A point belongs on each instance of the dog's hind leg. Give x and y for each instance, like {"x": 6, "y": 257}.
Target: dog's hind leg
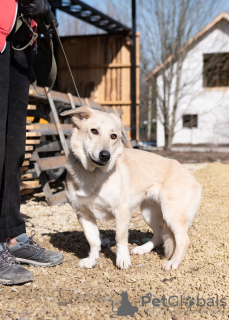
{"x": 152, "y": 214}
{"x": 182, "y": 243}
{"x": 176, "y": 237}
{"x": 91, "y": 232}
{"x": 179, "y": 206}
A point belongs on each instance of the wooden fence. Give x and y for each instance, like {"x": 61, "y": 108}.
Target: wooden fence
{"x": 101, "y": 65}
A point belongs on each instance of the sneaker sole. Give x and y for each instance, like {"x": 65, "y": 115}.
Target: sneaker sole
{"x": 40, "y": 264}
{"x": 6, "y": 282}
{"x": 11, "y": 282}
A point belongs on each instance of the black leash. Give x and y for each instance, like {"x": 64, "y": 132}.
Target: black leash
{"x": 65, "y": 58}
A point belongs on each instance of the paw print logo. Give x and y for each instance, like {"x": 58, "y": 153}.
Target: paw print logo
{"x": 189, "y": 301}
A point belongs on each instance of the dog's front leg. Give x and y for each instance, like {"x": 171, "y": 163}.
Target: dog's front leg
{"x": 123, "y": 256}
{"x": 91, "y": 232}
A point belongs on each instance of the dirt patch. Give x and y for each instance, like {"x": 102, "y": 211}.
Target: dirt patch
{"x": 197, "y": 290}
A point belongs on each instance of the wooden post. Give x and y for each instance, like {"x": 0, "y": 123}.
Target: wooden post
{"x": 133, "y": 73}
{"x": 71, "y": 100}
{"x": 149, "y": 113}
{"x": 58, "y": 125}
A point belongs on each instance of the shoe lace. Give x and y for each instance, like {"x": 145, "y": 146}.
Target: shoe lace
{"x": 33, "y": 243}
{"x": 7, "y": 257}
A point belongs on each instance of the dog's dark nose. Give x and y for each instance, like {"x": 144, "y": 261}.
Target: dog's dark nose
{"x": 104, "y": 155}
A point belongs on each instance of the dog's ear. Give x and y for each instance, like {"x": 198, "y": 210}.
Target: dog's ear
{"x": 78, "y": 114}
{"x": 83, "y": 112}
{"x": 116, "y": 118}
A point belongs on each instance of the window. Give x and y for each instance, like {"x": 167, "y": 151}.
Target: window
{"x": 216, "y": 70}
{"x": 190, "y": 121}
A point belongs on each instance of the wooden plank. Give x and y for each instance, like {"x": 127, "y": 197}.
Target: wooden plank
{"x": 26, "y": 191}
{"x": 59, "y": 97}
{"x": 40, "y": 90}
{"x": 44, "y": 183}
{"x": 47, "y": 129}
{"x": 57, "y": 121}
{"x": 50, "y": 163}
{"x": 116, "y": 102}
{"x": 31, "y": 126}
{"x": 23, "y": 169}
{"x": 28, "y": 155}
{"x": 29, "y": 184}
{"x": 28, "y": 148}
{"x": 49, "y": 146}
{"x": 33, "y": 134}
{"x": 100, "y": 66}
{"x": 70, "y": 97}
{"x": 29, "y": 175}
{"x": 31, "y": 107}
{"x": 26, "y": 176}
{"x": 32, "y": 141}
{"x": 58, "y": 198}
{"x": 25, "y": 163}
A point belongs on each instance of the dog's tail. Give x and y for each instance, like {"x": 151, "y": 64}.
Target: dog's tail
{"x": 169, "y": 241}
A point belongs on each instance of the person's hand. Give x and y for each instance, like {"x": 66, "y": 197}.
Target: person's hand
{"x": 38, "y": 10}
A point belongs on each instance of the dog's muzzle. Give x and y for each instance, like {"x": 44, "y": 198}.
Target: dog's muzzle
{"x": 104, "y": 156}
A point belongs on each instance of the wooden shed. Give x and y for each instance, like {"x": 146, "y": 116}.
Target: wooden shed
{"x": 101, "y": 65}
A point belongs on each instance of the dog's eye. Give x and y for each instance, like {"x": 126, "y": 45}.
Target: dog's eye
{"x": 114, "y": 136}
{"x": 94, "y": 131}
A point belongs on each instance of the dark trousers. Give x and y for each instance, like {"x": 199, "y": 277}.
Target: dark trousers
{"x": 14, "y": 88}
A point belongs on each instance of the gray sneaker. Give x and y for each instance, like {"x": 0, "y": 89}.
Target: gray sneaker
{"x": 10, "y": 270}
{"x": 29, "y": 252}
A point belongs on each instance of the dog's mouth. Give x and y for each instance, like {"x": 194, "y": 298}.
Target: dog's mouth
{"x": 98, "y": 163}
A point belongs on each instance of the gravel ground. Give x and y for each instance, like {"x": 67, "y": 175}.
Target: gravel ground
{"x": 197, "y": 290}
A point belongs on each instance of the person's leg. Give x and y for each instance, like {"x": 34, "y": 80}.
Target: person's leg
{"x": 10, "y": 271}
{"x": 11, "y": 154}
{"x": 4, "y": 94}
{"x": 24, "y": 248}
{"x": 15, "y": 143}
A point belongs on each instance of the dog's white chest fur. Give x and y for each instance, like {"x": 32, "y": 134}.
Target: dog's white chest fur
{"x": 87, "y": 194}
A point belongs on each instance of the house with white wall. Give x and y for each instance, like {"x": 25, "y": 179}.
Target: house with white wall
{"x": 202, "y": 117}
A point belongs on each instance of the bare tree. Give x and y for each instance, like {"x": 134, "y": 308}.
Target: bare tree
{"x": 168, "y": 25}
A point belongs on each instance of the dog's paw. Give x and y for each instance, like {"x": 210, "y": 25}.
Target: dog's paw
{"x": 145, "y": 248}
{"x": 171, "y": 265}
{"x": 123, "y": 257}
{"x": 87, "y": 263}
{"x": 138, "y": 250}
{"x": 123, "y": 261}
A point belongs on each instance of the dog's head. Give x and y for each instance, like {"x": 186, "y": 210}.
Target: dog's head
{"x": 96, "y": 137}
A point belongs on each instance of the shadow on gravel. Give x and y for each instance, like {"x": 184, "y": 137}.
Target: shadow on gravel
{"x": 75, "y": 242}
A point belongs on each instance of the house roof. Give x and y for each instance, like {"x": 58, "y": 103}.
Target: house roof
{"x": 201, "y": 33}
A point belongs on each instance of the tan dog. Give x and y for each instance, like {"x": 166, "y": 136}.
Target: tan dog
{"x": 107, "y": 181}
